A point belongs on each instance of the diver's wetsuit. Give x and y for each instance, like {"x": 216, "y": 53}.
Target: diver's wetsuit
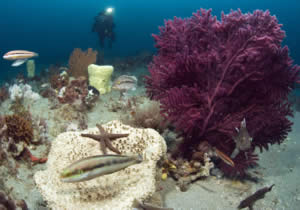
{"x": 104, "y": 26}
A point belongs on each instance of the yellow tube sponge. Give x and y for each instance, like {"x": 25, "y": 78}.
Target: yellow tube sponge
{"x": 30, "y": 67}
{"x": 100, "y": 77}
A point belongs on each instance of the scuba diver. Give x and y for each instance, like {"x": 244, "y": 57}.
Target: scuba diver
{"x": 104, "y": 26}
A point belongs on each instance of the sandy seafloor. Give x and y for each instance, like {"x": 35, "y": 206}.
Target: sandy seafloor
{"x": 280, "y": 166}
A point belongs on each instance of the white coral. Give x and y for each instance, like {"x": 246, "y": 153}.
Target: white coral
{"x": 22, "y": 91}
{"x": 15, "y": 92}
{"x": 72, "y": 127}
{"x": 113, "y": 191}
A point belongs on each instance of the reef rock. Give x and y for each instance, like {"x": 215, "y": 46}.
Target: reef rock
{"x": 113, "y": 191}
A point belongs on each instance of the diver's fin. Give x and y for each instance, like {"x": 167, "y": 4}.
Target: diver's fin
{"x": 18, "y": 62}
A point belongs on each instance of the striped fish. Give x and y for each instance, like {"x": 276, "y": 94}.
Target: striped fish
{"x": 224, "y": 157}
{"x": 19, "y": 56}
{"x": 125, "y": 83}
{"x": 95, "y": 166}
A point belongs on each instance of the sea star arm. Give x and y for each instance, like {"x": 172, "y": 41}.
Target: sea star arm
{"x": 101, "y": 129}
{"x": 100, "y": 138}
{"x": 103, "y": 146}
{"x": 111, "y": 147}
{"x": 108, "y": 137}
{"x": 111, "y": 136}
{"x": 105, "y": 138}
{"x": 92, "y": 136}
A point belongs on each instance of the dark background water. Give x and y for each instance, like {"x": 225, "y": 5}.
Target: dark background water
{"x": 53, "y": 28}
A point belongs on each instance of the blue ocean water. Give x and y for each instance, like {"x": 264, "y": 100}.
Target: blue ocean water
{"x": 53, "y": 28}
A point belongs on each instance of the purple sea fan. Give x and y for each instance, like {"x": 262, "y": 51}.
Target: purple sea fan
{"x": 209, "y": 75}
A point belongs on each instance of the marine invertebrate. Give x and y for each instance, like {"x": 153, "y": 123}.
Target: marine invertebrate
{"x": 6, "y": 202}
{"x": 18, "y": 108}
{"x": 59, "y": 80}
{"x": 167, "y": 167}
{"x": 3, "y": 128}
{"x": 50, "y": 93}
{"x": 91, "y": 98}
{"x": 18, "y": 134}
{"x": 65, "y": 114}
{"x": 113, "y": 191}
{"x": 22, "y": 91}
{"x": 80, "y": 60}
{"x": 76, "y": 90}
{"x": 18, "y": 128}
{"x": 105, "y": 139}
{"x": 40, "y": 127}
{"x": 147, "y": 116}
{"x": 209, "y": 75}
{"x": 100, "y": 77}
{"x": 30, "y": 68}
{"x": 189, "y": 171}
{"x": 33, "y": 158}
{"x": 3, "y": 94}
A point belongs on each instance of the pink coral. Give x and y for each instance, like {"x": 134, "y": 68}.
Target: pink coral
{"x": 210, "y": 74}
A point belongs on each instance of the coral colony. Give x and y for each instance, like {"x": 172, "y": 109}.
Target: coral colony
{"x": 114, "y": 191}
{"x": 222, "y": 84}
{"x": 210, "y": 75}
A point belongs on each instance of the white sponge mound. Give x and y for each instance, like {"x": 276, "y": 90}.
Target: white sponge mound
{"x": 113, "y": 191}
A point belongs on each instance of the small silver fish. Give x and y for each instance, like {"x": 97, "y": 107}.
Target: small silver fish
{"x": 95, "y": 166}
{"x": 125, "y": 83}
{"x": 242, "y": 140}
{"x": 19, "y": 56}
